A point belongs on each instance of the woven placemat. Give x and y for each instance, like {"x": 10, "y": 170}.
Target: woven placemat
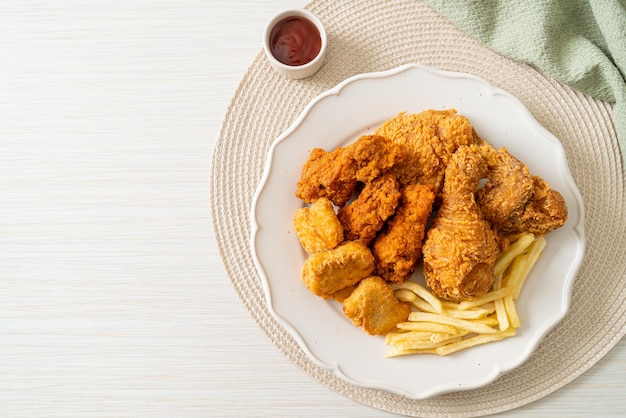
{"x": 371, "y": 35}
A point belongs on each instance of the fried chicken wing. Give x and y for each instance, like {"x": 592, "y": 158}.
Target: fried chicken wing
{"x": 428, "y": 139}
{"x": 318, "y": 227}
{"x": 327, "y": 272}
{"x": 398, "y": 247}
{"x": 327, "y": 174}
{"x": 461, "y": 247}
{"x": 335, "y": 174}
{"x": 513, "y": 200}
{"x": 366, "y": 215}
{"x": 544, "y": 212}
{"x": 509, "y": 186}
{"x": 373, "y": 306}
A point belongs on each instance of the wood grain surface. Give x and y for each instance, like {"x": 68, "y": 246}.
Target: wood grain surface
{"x": 113, "y": 299}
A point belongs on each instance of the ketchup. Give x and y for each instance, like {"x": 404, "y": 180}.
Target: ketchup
{"x": 295, "y": 40}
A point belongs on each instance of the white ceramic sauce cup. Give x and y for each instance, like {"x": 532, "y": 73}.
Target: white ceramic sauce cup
{"x": 296, "y": 71}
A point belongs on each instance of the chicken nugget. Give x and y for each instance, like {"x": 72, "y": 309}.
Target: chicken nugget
{"x": 366, "y": 215}
{"x": 373, "y": 306}
{"x": 326, "y": 272}
{"x": 398, "y": 247}
{"x": 318, "y": 227}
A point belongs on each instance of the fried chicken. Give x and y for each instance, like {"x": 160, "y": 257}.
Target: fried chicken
{"x": 428, "y": 139}
{"x": 509, "y": 186}
{"x": 373, "y": 306}
{"x": 398, "y": 247}
{"x": 461, "y": 247}
{"x": 513, "y": 200}
{"x": 544, "y": 212}
{"x": 327, "y": 272}
{"x": 366, "y": 215}
{"x": 374, "y": 155}
{"x": 327, "y": 174}
{"x": 318, "y": 227}
{"x": 335, "y": 174}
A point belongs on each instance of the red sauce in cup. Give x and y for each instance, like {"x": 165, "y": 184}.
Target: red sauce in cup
{"x": 295, "y": 40}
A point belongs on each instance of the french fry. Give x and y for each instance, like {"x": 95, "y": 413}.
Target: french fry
{"x": 491, "y": 321}
{"x": 421, "y": 344}
{"x": 522, "y": 265}
{"x": 475, "y": 313}
{"x": 396, "y": 352}
{"x": 458, "y": 323}
{"x": 421, "y": 305}
{"x": 515, "y": 249}
{"x": 474, "y": 341}
{"x": 501, "y": 314}
{"x": 404, "y": 295}
{"x": 423, "y": 293}
{"x": 503, "y": 319}
{"x": 458, "y": 326}
{"x": 437, "y": 337}
{"x": 399, "y": 337}
{"x": 486, "y": 298}
{"x": 427, "y": 326}
{"x": 511, "y": 312}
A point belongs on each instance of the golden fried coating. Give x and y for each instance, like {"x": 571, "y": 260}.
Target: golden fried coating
{"x": 366, "y": 215}
{"x": 428, "y": 139}
{"x": 374, "y": 155}
{"x": 545, "y": 211}
{"x": 327, "y": 272}
{"x": 318, "y": 227}
{"x": 461, "y": 247}
{"x": 343, "y": 294}
{"x": 373, "y": 306}
{"x": 509, "y": 186}
{"x": 398, "y": 247}
{"x": 335, "y": 174}
{"x": 327, "y": 174}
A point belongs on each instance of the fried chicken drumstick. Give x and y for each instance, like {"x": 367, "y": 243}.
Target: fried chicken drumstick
{"x": 461, "y": 247}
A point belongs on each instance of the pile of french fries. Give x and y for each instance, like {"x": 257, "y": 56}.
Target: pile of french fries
{"x": 441, "y": 327}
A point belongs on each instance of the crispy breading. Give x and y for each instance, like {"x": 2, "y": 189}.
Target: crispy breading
{"x": 509, "y": 186}
{"x": 461, "y": 247}
{"x": 327, "y": 272}
{"x": 373, "y": 306}
{"x": 366, "y": 215}
{"x": 327, "y": 174}
{"x": 374, "y": 155}
{"x": 428, "y": 139}
{"x": 545, "y": 211}
{"x": 343, "y": 294}
{"x": 318, "y": 227}
{"x": 398, "y": 247}
{"x": 335, "y": 174}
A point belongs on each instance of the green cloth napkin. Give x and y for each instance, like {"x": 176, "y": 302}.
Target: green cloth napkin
{"x": 581, "y": 43}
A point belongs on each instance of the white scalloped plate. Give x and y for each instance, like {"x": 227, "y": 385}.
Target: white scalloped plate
{"x": 338, "y": 117}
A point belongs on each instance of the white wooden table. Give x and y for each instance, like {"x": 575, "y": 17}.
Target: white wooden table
{"x": 113, "y": 299}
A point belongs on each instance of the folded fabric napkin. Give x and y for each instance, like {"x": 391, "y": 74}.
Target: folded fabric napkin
{"x": 581, "y": 43}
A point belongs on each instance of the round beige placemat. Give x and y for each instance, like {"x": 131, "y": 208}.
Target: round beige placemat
{"x": 371, "y": 35}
